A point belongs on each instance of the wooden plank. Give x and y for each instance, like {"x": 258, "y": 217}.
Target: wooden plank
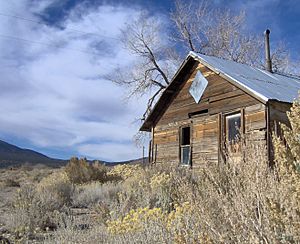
{"x": 206, "y": 126}
{"x": 258, "y": 116}
{"x": 227, "y": 95}
{"x": 227, "y": 105}
{"x": 255, "y": 121}
{"x": 255, "y": 108}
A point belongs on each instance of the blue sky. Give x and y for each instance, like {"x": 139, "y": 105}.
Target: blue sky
{"x": 54, "y": 97}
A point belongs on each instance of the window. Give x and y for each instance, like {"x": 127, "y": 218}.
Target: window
{"x": 185, "y": 146}
{"x": 233, "y": 131}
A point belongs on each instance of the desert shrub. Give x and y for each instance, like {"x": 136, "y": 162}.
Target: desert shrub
{"x": 285, "y": 209}
{"x": 28, "y": 214}
{"x": 100, "y": 198}
{"x": 88, "y": 195}
{"x": 153, "y": 225}
{"x": 11, "y": 183}
{"x": 19, "y": 221}
{"x": 74, "y": 230}
{"x": 37, "y": 207}
{"x": 136, "y": 220}
{"x": 55, "y": 191}
{"x": 80, "y": 171}
{"x": 40, "y": 173}
{"x": 287, "y": 151}
{"x": 125, "y": 171}
{"x": 153, "y": 187}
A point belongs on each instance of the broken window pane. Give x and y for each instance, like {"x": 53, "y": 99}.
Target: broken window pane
{"x": 185, "y": 136}
{"x": 198, "y": 86}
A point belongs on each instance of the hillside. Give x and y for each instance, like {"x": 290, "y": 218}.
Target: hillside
{"x": 11, "y": 155}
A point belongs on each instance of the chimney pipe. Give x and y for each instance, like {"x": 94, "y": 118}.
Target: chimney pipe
{"x": 267, "y": 51}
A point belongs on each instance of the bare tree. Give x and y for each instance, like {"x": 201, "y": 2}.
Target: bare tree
{"x": 221, "y": 33}
{"x": 228, "y": 41}
{"x": 192, "y": 23}
{"x": 155, "y": 59}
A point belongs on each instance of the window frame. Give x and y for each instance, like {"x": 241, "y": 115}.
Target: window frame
{"x": 224, "y": 130}
{"x": 189, "y": 164}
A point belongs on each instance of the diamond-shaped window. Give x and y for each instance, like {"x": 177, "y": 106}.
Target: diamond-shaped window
{"x": 198, "y": 86}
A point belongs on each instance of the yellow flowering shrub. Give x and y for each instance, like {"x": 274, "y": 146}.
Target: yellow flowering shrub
{"x": 125, "y": 171}
{"x": 160, "y": 179}
{"x": 176, "y": 217}
{"x": 135, "y": 220}
{"x": 175, "y": 224}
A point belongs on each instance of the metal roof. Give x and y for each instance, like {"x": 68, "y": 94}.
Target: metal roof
{"x": 263, "y": 84}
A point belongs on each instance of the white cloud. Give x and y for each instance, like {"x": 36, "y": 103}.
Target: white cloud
{"x": 54, "y": 95}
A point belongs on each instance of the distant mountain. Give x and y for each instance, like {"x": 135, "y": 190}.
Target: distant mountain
{"x": 133, "y": 161}
{"x": 11, "y": 155}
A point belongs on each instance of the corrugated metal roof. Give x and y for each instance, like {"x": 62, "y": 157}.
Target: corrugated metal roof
{"x": 265, "y": 85}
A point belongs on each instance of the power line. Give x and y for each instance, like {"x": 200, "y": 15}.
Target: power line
{"x": 42, "y": 23}
{"x": 44, "y": 44}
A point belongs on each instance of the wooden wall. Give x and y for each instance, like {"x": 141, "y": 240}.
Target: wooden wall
{"x": 278, "y": 112}
{"x": 220, "y": 97}
{"x": 278, "y": 115}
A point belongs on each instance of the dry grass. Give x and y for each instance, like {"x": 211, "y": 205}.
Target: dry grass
{"x": 89, "y": 195}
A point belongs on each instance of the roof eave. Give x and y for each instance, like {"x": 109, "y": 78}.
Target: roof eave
{"x": 145, "y": 127}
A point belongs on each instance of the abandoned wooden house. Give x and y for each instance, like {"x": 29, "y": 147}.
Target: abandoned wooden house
{"x": 210, "y": 102}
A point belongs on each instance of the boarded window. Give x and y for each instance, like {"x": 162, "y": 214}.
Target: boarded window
{"x": 185, "y": 146}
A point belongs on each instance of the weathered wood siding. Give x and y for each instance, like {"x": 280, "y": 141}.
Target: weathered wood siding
{"x": 278, "y": 115}
{"x": 219, "y": 97}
